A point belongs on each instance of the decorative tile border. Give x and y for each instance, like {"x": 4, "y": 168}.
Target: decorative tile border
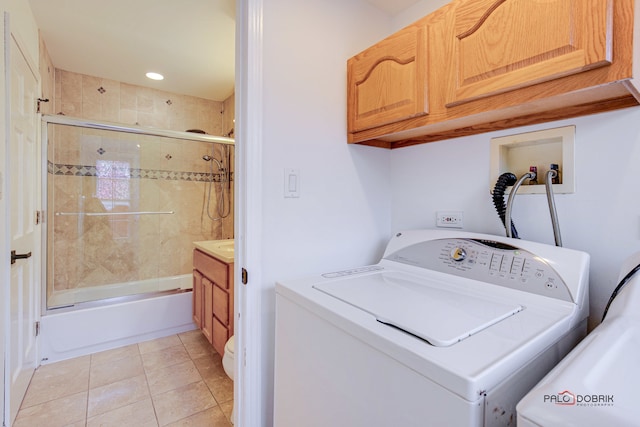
{"x": 80, "y": 170}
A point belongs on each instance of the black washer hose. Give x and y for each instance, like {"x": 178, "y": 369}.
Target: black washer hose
{"x": 503, "y": 182}
{"x": 618, "y": 288}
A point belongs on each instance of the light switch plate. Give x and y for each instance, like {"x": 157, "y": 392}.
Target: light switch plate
{"x": 291, "y": 183}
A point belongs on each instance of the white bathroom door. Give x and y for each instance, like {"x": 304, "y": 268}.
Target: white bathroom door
{"x": 24, "y": 237}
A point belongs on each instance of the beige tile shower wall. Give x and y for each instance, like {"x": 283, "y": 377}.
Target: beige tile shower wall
{"x": 224, "y": 216}
{"x": 164, "y": 175}
{"x": 228, "y": 116}
{"x": 92, "y": 251}
{"x": 228, "y": 123}
{"x": 95, "y": 98}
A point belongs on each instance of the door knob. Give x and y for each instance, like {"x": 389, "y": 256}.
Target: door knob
{"x": 15, "y": 256}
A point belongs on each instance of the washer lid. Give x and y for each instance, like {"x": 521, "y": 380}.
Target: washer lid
{"x": 428, "y": 309}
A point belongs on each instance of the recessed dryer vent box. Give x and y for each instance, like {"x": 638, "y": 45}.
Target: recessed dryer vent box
{"x": 516, "y": 153}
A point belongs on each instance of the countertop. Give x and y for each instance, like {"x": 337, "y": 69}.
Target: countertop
{"x": 222, "y": 250}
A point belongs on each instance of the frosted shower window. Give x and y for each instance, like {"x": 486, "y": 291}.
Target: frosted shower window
{"x": 112, "y": 188}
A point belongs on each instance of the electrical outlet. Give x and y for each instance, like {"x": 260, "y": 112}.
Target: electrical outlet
{"x": 449, "y": 219}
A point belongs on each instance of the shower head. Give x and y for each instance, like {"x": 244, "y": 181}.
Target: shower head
{"x": 208, "y": 158}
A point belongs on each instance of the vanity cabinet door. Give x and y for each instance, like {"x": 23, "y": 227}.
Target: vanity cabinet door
{"x": 214, "y": 269}
{"x": 197, "y": 298}
{"x": 387, "y": 83}
{"x": 221, "y": 305}
{"x": 505, "y": 45}
{"x": 207, "y": 309}
{"x": 220, "y": 336}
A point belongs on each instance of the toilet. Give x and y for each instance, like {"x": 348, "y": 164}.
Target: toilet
{"x": 227, "y": 365}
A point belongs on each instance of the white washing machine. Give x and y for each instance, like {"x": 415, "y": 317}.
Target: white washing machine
{"x": 448, "y": 329}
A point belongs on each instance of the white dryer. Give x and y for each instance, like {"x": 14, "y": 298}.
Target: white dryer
{"x": 597, "y": 383}
{"x": 448, "y": 329}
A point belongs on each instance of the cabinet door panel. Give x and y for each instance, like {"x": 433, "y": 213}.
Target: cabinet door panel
{"x": 221, "y": 305}
{"x": 207, "y": 310}
{"x": 387, "y": 82}
{"x": 220, "y": 336}
{"x": 503, "y": 45}
{"x": 231, "y": 290}
{"x": 197, "y": 298}
{"x": 210, "y": 267}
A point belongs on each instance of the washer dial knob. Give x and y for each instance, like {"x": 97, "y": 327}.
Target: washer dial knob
{"x": 458, "y": 254}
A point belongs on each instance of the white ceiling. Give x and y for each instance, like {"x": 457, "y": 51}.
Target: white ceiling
{"x": 190, "y": 42}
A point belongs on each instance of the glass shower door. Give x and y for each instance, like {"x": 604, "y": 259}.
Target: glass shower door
{"x": 123, "y": 211}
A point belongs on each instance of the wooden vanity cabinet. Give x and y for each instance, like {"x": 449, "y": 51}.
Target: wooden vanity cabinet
{"x": 498, "y": 64}
{"x": 213, "y": 298}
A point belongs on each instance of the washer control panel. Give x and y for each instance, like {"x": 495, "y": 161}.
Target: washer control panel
{"x": 487, "y": 261}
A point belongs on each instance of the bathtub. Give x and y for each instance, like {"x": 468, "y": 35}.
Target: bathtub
{"x": 93, "y": 327}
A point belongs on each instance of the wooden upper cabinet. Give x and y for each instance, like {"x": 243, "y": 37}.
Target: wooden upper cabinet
{"x": 387, "y": 82}
{"x": 494, "y": 64}
{"x": 504, "y": 45}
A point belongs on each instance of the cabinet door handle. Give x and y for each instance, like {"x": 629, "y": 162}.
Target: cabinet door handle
{"x": 15, "y": 256}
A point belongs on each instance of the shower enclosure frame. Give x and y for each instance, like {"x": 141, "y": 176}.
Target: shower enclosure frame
{"x": 107, "y": 126}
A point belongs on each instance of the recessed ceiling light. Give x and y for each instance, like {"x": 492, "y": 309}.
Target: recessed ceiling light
{"x": 155, "y": 76}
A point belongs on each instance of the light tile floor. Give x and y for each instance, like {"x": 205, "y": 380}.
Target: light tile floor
{"x": 172, "y": 381}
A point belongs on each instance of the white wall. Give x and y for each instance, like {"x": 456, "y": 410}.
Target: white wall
{"x": 415, "y": 12}
{"x": 342, "y": 216}
{"x": 602, "y": 217}
{"x": 23, "y": 24}
{"x": 343, "y": 204}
